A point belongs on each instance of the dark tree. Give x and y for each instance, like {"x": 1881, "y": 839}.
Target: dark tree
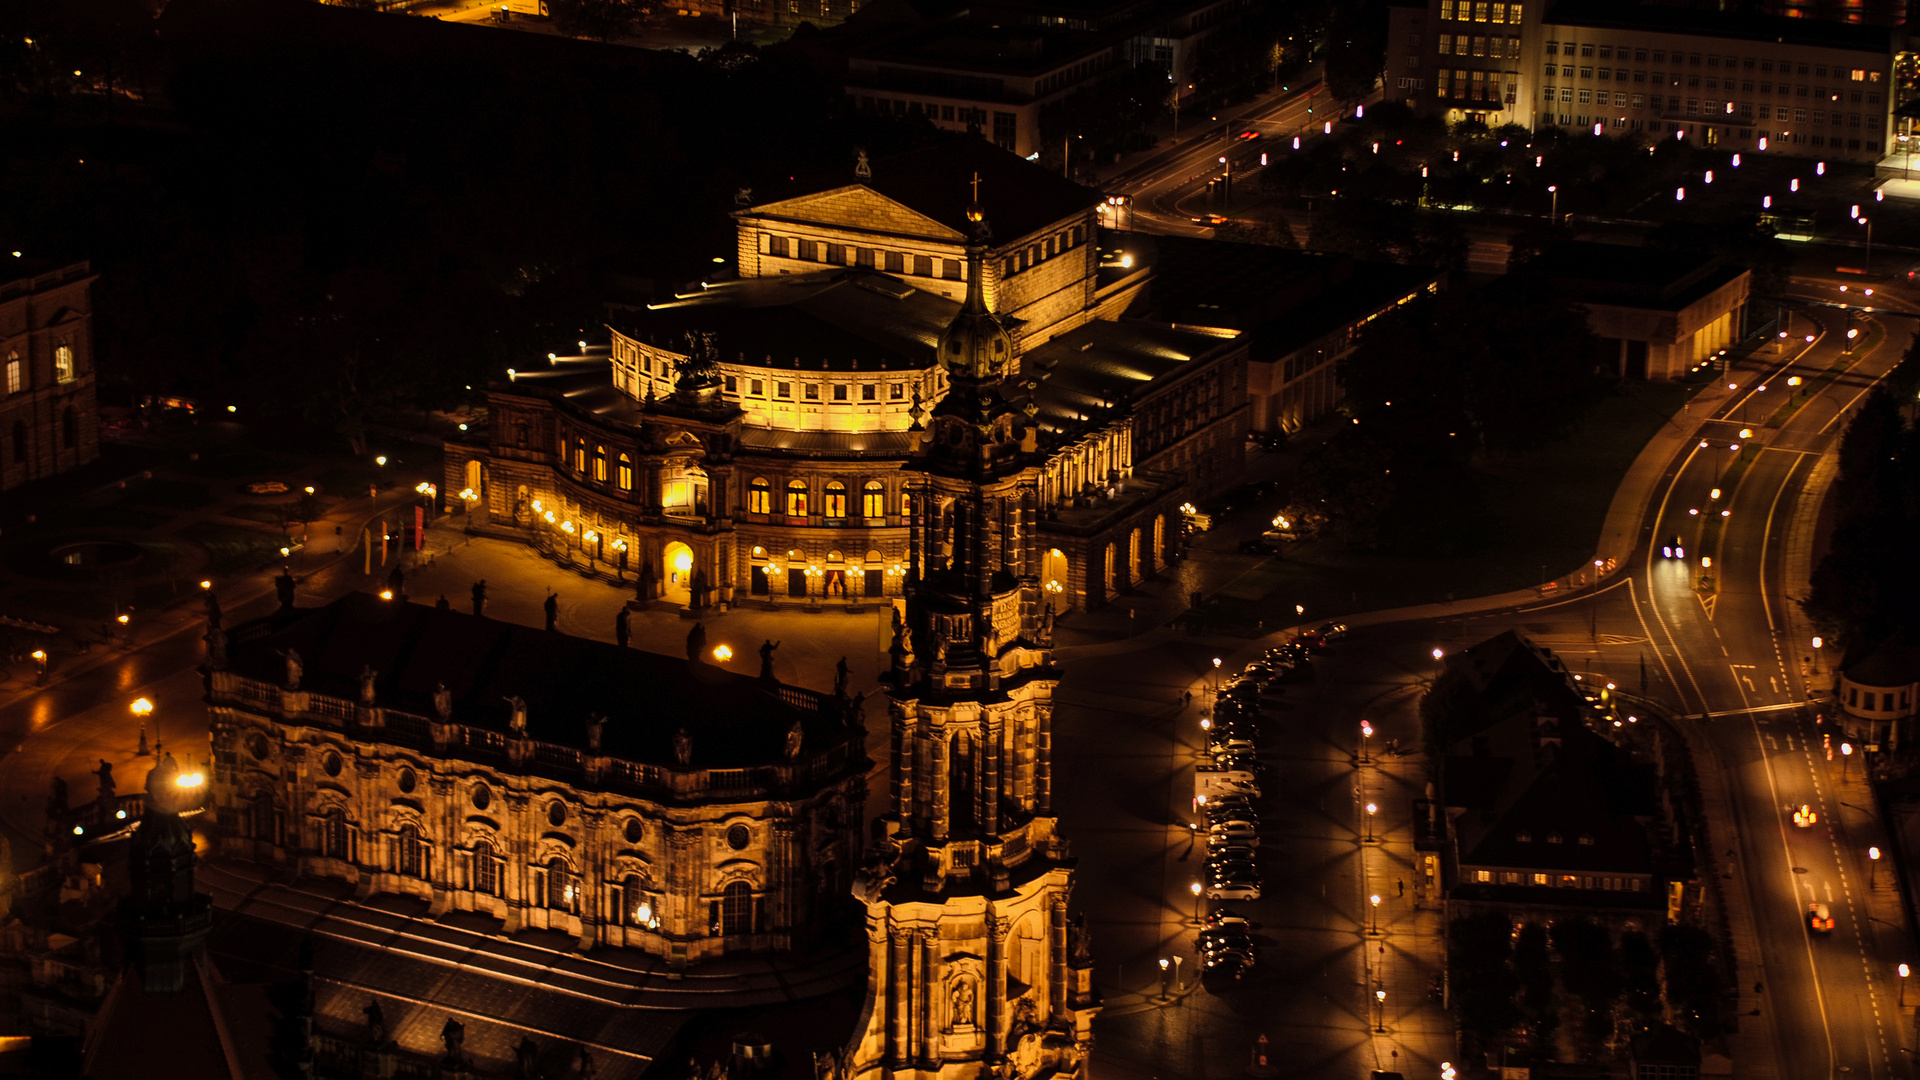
{"x": 1480, "y": 976}
{"x": 600, "y": 20}
{"x": 1640, "y": 968}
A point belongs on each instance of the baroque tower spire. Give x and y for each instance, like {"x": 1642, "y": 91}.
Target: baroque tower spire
{"x": 970, "y": 960}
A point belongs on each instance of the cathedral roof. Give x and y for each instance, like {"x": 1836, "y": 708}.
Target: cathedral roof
{"x": 734, "y": 720}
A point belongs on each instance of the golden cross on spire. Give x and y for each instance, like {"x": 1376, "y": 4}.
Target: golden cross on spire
{"x": 976, "y": 187}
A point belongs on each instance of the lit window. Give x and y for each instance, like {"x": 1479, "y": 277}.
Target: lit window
{"x": 873, "y": 500}
{"x": 836, "y": 499}
{"x": 626, "y": 473}
{"x": 486, "y": 873}
{"x": 600, "y": 464}
{"x": 16, "y": 374}
{"x": 797, "y": 498}
{"x": 759, "y": 496}
{"x": 1483, "y": 875}
{"x": 63, "y": 363}
{"x": 580, "y": 456}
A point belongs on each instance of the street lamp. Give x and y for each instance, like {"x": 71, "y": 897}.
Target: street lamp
{"x": 1197, "y": 891}
{"x": 1216, "y": 675}
{"x": 1372, "y": 809}
{"x": 1380, "y": 998}
{"x": 1817, "y": 642}
{"x": 1375, "y": 901}
{"x": 1903, "y": 984}
{"x": 40, "y": 675}
{"x": 1846, "y": 756}
{"x": 1166, "y": 979}
{"x": 1554, "y": 190}
{"x": 143, "y": 708}
{"x": 1873, "y": 863}
{"x": 1366, "y": 735}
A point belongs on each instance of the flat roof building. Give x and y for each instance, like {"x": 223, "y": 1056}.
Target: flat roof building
{"x": 1739, "y": 81}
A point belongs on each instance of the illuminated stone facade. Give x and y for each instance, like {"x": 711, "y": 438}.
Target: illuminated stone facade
{"x": 49, "y": 420}
{"x": 973, "y": 969}
{"x": 621, "y": 797}
{"x": 743, "y": 442}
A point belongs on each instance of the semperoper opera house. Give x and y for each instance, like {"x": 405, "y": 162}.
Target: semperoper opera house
{"x": 744, "y": 440}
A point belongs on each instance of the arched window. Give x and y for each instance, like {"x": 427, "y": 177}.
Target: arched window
{"x": 69, "y": 428}
{"x": 906, "y": 504}
{"x": 836, "y": 499}
{"x": 559, "y": 885}
{"x": 260, "y": 819}
{"x": 580, "y": 456}
{"x": 520, "y": 434}
{"x": 625, "y": 473}
{"x": 486, "y": 873}
{"x": 16, "y": 374}
{"x": 634, "y": 908}
{"x": 873, "y": 500}
{"x": 600, "y": 464}
{"x": 333, "y": 834}
{"x": 736, "y": 909}
{"x": 796, "y": 498}
{"x": 406, "y": 857}
{"x": 759, "y": 496}
{"x": 63, "y": 363}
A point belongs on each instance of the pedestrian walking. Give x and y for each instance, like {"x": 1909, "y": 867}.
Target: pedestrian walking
{"x": 622, "y": 633}
{"x": 1400, "y": 884}
{"x": 553, "y": 609}
{"x": 480, "y": 597}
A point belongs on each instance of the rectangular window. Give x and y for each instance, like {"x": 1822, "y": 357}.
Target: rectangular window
{"x": 1540, "y": 879}
{"x": 16, "y": 377}
{"x": 1799, "y": 116}
{"x": 837, "y": 254}
{"x": 777, "y": 246}
{"x": 1499, "y": 13}
{"x": 1513, "y": 48}
{"x": 1639, "y": 56}
{"x": 950, "y": 269}
{"x": 923, "y": 265}
{"x": 1483, "y": 875}
{"x": 1604, "y": 74}
{"x": 896, "y": 262}
{"x": 1446, "y": 44}
{"x": 1619, "y": 101}
{"x": 1446, "y": 10}
{"x": 1566, "y": 94}
{"x": 1639, "y": 76}
{"x": 839, "y": 391}
{"x": 897, "y": 391}
{"x": 1586, "y": 73}
{"x": 756, "y": 388}
{"x": 1606, "y": 52}
{"x": 1586, "y": 50}
{"x": 1479, "y": 11}
{"x": 1553, "y": 48}
{"x": 1479, "y": 46}
{"x": 733, "y": 384}
{"x": 1552, "y": 70}
{"x": 868, "y": 392}
{"x": 946, "y": 113}
{"x": 813, "y": 391}
{"x": 1818, "y": 116}
{"x": 863, "y": 257}
{"x": 1513, "y": 13}
{"x": 808, "y": 251}
{"x": 783, "y": 389}
{"x": 1639, "y": 101}
{"x": 1005, "y": 129}
{"x": 1586, "y": 96}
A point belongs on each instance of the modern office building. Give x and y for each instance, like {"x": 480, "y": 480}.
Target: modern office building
{"x": 1743, "y": 82}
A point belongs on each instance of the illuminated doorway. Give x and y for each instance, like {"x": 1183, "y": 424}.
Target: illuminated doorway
{"x": 677, "y": 561}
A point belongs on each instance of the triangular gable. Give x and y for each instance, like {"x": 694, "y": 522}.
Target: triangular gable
{"x": 855, "y": 206}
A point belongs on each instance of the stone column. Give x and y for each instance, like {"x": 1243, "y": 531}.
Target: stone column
{"x": 1057, "y": 965}
{"x": 996, "y": 987}
{"x": 900, "y": 996}
{"x": 989, "y": 812}
{"x": 901, "y": 770}
{"x": 942, "y": 785}
{"x": 593, "y": 861}
{"x": 444, "y": 876}
{"x": 1043, "y": 758}
{"x": 929, "y": 987}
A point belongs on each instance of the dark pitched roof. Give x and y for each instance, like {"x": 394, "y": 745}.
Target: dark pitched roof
{"x": 1283, "y": 298}
{"x": 734, "y": 720}
{"x": 1019, "y": 196}
{"x": 1101, "y": 364}
{"x": 1893, "y": 662}
{"x": 1645, "y": 277}
{"x": 1673, "y": 19}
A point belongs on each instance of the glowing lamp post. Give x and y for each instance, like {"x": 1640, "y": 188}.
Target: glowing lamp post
{"x": 40, "y": 660}
{"x": 1366, "y": 738}
{"x": 1197, "y": 894}
{"x": 1817, "y": 642}
{"x": 143, "y": 708}
{"x": 1903, "y": 985}
{"x": 1216, "y": 675}
{"x": 1873, "y": 863}
{"x": 1380, "y": 999}
{"x": 1846, "y": 757}
{"x": 1372, "y": 809}
{"x": 1374, "y": 900}
{"x": 723, "y": 653}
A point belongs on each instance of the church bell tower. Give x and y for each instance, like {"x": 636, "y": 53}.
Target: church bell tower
{"x": 975, "y": 969}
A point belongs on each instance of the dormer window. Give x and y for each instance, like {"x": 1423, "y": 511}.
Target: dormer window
{"x": 1586, "y": 839}
{"x": 1523, "y": 836}
{"x": 1554, "y": 838}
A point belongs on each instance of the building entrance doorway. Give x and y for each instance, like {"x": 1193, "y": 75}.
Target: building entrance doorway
{"x": 677, "y": 563}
